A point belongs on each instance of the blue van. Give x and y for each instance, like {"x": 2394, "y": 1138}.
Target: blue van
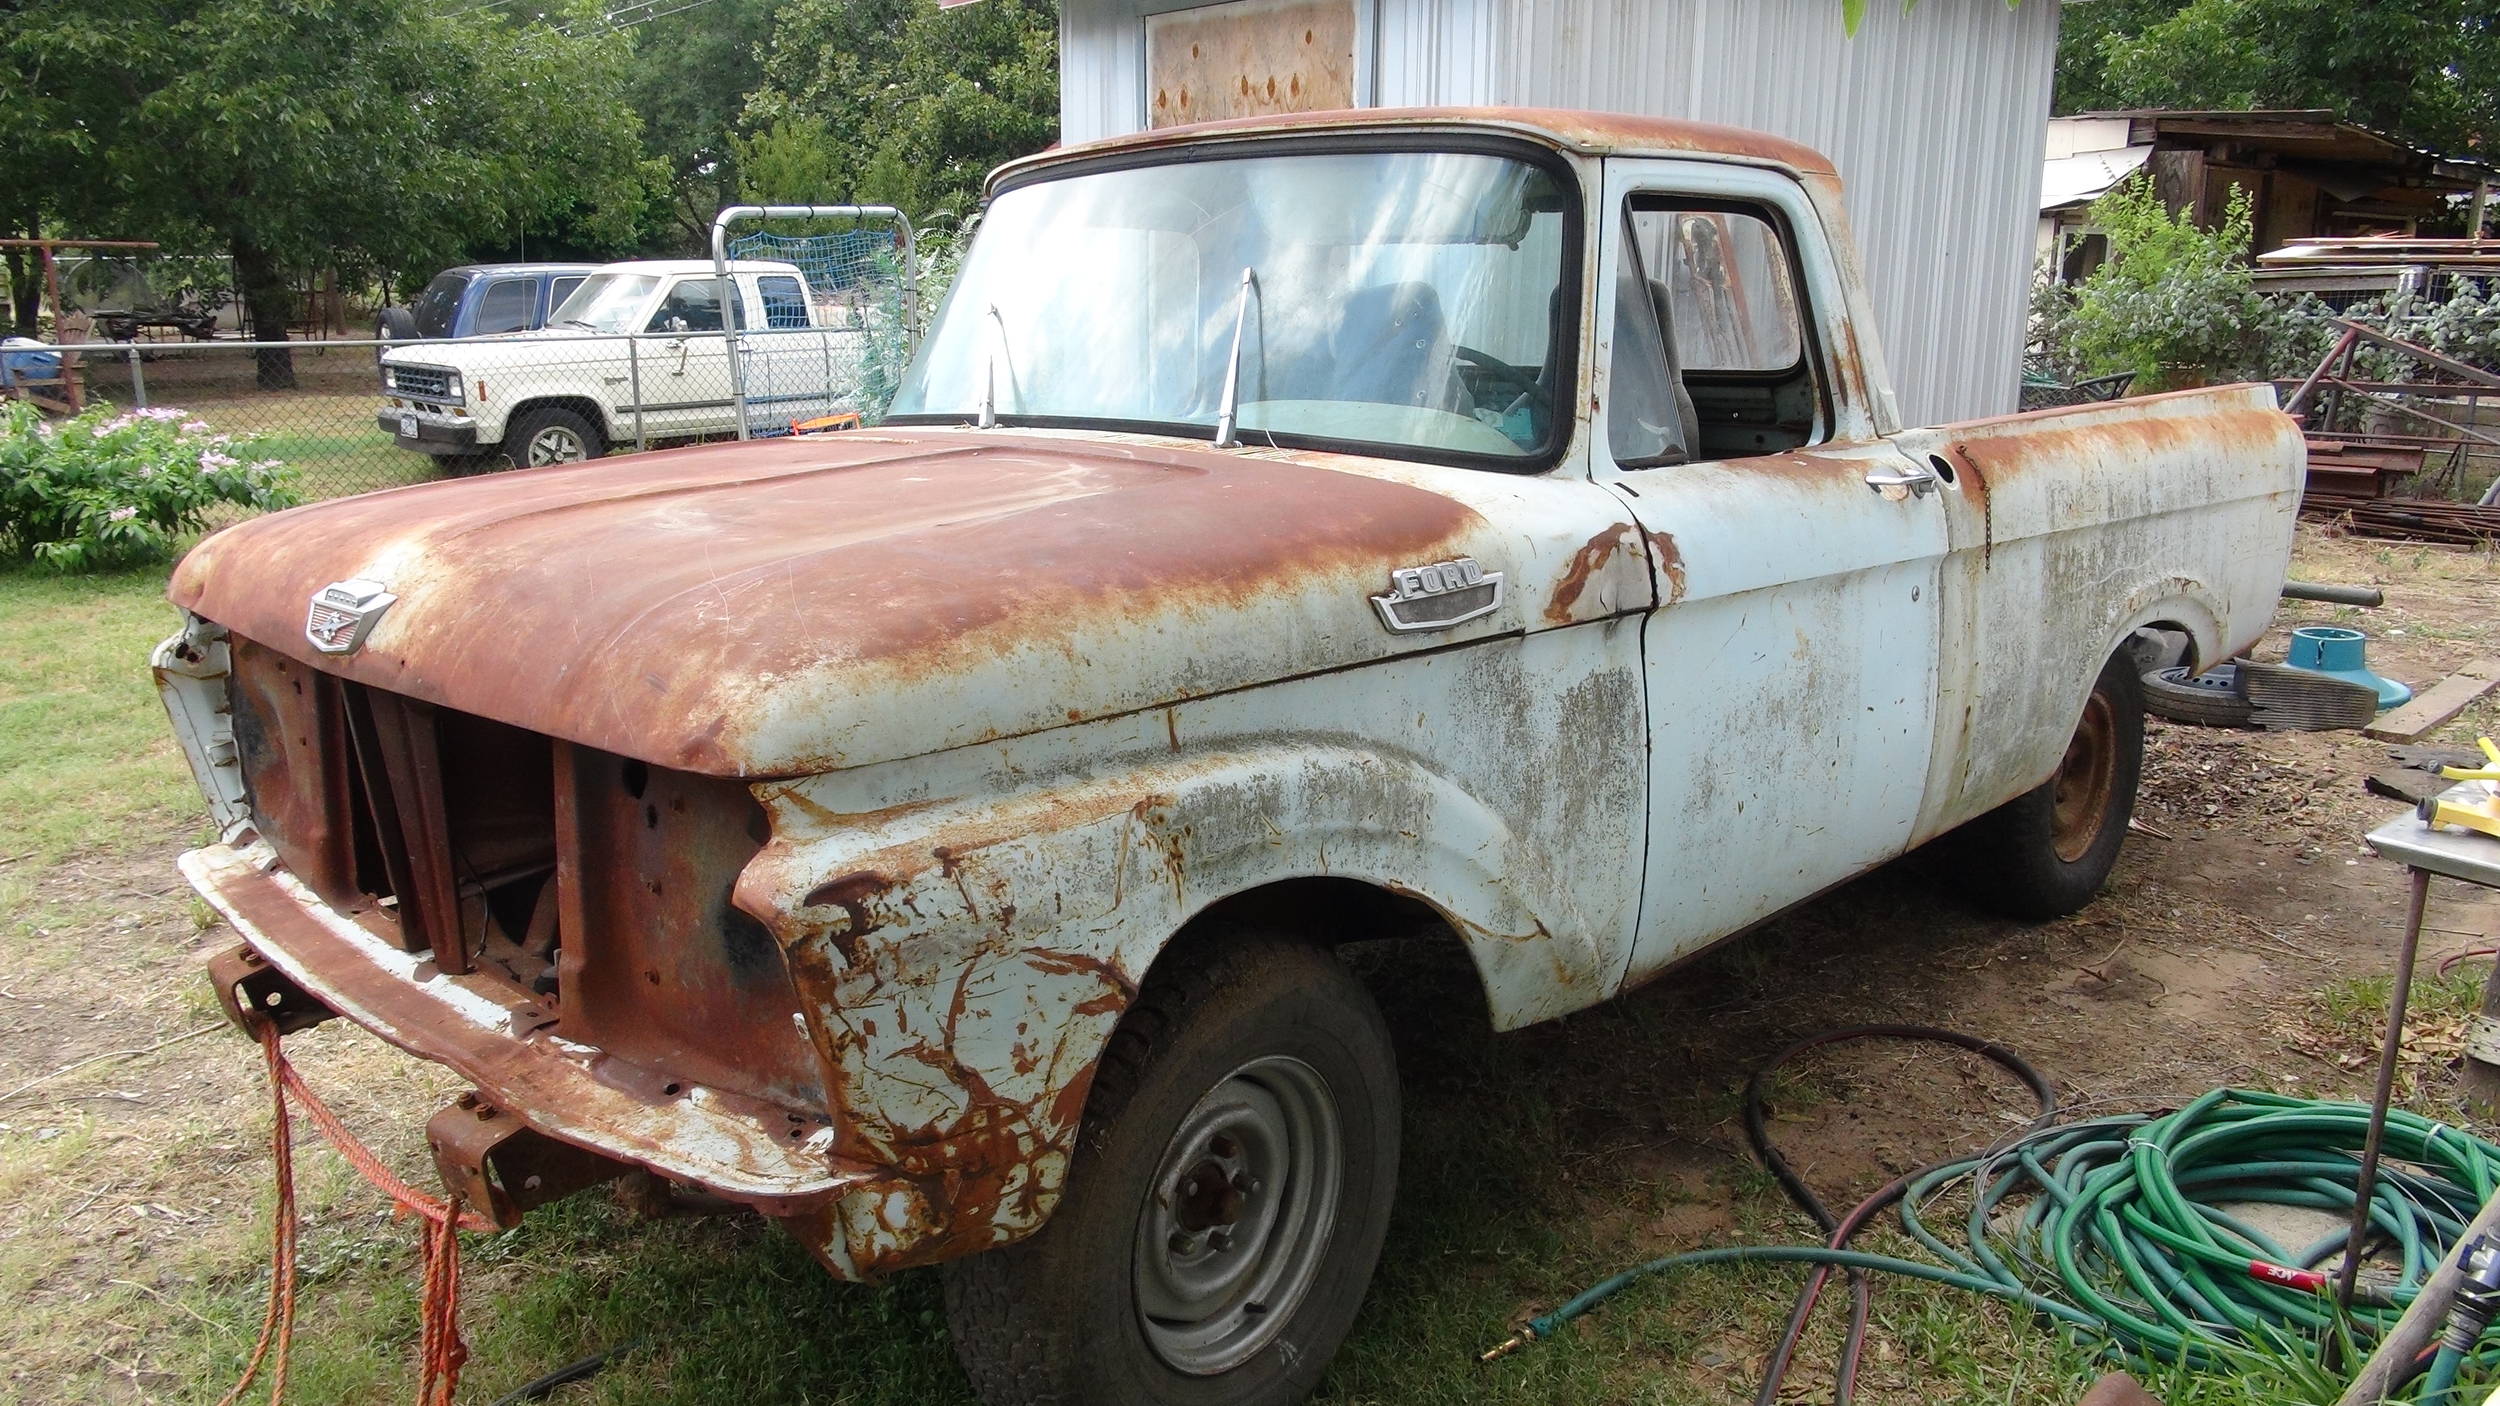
{"x": 479, "y": 300}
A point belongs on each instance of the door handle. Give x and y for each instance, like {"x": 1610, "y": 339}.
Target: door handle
{"x": 1919, "y": 480}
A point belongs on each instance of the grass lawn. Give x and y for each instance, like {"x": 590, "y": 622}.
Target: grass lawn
{"x": 85, "y": 758}
{"x": 134, "y": 1203}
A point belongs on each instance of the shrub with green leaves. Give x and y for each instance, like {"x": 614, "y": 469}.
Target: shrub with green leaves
{"x": 2175, "y": 304}
{"x": 114, "y": 488}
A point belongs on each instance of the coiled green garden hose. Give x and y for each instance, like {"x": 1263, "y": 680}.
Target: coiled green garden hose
{"x": 2114, "y": 1226}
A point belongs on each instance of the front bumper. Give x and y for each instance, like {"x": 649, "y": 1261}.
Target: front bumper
{"x": 432, "y": 433}
{"x": 745, "y": 1150}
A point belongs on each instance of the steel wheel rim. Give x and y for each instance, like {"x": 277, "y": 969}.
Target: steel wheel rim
{"x": 556, "y": 445}
{"x": 2085, "y": 781}
{"x": 1220, "y": 1265}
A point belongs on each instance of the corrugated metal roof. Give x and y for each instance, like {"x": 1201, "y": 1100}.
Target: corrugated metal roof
{"x": 2080, "y": 179}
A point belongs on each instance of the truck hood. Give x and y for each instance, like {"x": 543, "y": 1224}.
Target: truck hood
{"x": 800, "y": 605}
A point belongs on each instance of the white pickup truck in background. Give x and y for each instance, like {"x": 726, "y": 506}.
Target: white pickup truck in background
{"x": 638, "y": 354}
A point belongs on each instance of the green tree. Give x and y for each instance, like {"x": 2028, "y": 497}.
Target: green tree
{"x": 691, "y": 77}
{"x": 899, "y": 102}
{"x": 291, "y": 133}
{"x": 2082, "y": 30}
{"x": 2427, "y": 71}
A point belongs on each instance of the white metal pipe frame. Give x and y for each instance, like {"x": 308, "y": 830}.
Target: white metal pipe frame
{"x": 861, "y": 214}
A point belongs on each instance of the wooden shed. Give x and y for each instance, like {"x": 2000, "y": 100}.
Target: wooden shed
{"x": 1934, "y": 117}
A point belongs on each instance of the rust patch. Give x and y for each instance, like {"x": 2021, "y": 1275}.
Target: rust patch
{"x": 2005, "y": 449}
{"x": 851, "y": 893}
{"x": 1590, "y": 133}
{"x": 1974, "y": 486}
{"x": 1670, "y": 564}
{"x": 673, "y": 602}
{"x": 614, "y": 1107}
{"x": 1595, "y": 553}
{"x": 658, "y": 965}
{"x": 290, "y": 731}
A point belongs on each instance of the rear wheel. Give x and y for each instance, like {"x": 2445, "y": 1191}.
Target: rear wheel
{"x": 537, "y": 438}
{"x": 1225, "y": 1206}
{"x": 2047, "y": 852}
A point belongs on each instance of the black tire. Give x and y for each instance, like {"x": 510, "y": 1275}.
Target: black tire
{"x": 2210, "y": 699}
{"x": 522, "y": 439}
{"x": 2047, "y": 852}
{"x": 392, "y": 325}
{"x": 1059, "y": 1319}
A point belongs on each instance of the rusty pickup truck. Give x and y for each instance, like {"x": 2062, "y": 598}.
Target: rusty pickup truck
{"x": 1488, "y": 527}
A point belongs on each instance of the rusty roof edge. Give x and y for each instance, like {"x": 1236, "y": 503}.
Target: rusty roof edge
{"x": 1576, "y": 132}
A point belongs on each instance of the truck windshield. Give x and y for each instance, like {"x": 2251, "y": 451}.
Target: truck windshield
{"x": 1407, "y": 301}
{"x": 606, "y": 302}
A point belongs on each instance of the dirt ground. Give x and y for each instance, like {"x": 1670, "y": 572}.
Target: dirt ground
{"x": 2237, "y": 916}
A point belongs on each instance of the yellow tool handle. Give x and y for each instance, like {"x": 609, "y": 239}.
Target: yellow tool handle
{"x": 2438, "y": 812}
{"x": 2487, "y": 773}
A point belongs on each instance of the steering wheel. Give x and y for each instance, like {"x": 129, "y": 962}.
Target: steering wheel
{"x": 1520, "y": 378}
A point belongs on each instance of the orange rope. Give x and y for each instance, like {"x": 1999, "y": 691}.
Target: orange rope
{"x": 277, "y": 1326}
{"x": 440, "y": 1351}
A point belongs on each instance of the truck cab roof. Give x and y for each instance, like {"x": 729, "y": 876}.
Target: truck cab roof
{"x": 1566, "y": 130}
{"x": 567, "y": 266}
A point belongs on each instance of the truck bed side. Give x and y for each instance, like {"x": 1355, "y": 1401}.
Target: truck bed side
{"x": 2069, "y": 530}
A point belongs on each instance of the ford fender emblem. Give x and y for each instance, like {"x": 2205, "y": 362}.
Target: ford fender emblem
{"x": 1438, "y": 596}
{"x": 343, "y": 613}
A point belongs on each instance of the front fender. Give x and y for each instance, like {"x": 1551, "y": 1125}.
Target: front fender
{"x": 961, "y": 965}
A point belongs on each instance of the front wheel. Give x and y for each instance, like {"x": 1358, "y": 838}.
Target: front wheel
{"x": 537, "y": 438}
{"x": 2047, "y": 852}
{"x": 1225, "y": 1206}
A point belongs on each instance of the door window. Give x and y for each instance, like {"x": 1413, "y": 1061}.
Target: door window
{"x": 1728, "y": 278}
{"x": 1711, "y": 333}
{"x": 693, "y": 305}
{"x": 510, "y": 305}
{"x": 1647, "y": 416}
{"x": 785, "y": 301}
{"x": 560, "y": 290}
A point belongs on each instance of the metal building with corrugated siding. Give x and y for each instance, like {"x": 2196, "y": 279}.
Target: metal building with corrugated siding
{"x": 1935, "y": 118}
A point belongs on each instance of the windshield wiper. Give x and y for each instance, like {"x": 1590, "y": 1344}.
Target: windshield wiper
{"x": 1228, "y": 414}
{"x": 989, "y": 370}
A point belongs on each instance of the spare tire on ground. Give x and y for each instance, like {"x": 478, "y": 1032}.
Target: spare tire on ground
{"x": 2212, "y": 698}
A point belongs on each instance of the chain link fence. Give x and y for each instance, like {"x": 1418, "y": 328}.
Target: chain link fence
{"x": 347, "y": 418}
{"x": 664, "y": 355}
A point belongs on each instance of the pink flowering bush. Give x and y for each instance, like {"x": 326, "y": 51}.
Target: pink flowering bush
{"x": 117, "y": 488}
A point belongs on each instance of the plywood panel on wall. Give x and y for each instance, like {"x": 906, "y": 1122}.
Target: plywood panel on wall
{"x": 1249, "y": 58}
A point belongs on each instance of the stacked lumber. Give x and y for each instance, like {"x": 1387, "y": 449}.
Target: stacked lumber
{"x": 2343, "y": 471}
{"x": 2411, "y": 519}
{"x": 2356, "y": 483}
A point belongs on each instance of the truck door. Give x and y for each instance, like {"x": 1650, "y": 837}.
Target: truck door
{"x": 1791, "y": 658}
{"x": 787, "y": 366}
{"x": 685, "y": 363}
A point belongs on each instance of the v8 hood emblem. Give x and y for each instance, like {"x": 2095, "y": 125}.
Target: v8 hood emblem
{"x": 343, "y": 613}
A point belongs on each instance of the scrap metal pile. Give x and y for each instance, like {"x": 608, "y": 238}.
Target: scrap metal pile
{"x": 2354, "y": 478}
